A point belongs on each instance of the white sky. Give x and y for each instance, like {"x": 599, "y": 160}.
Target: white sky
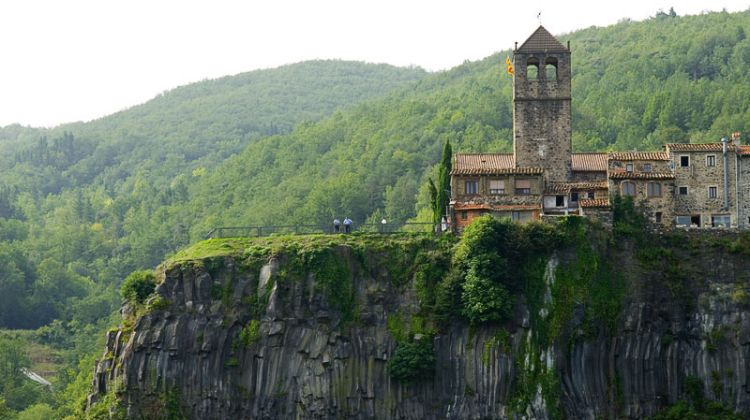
{"x": 72, "y": 60}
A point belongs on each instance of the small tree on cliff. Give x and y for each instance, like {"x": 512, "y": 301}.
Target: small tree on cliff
{"x": 440, "y": 194}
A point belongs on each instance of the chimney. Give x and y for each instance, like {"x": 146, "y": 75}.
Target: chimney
{"x": 736, "y": 138}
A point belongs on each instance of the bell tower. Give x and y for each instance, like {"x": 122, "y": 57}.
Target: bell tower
{"x": 541, "y": 106}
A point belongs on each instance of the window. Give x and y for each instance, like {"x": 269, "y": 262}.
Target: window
{"x": 684, "y": 161}
{"x": 682, "y": 220}
{"x": 574, "y": 196}
{"x": 646, "y": 167}
{"x": 654, "y": 189}
{"x": 591, "y": 195}
{"x": 695, "y": 220}
{"x": 711, "y": 160}
{"x": 464, "y": 215}
{"x": 721, "y": 220}
{"x": 497, "y": 186}
{"x": 560, "y": 201}
{"x": 712, "y": 192}
{"x": 550, "y": 68}
{"x": 521, "y": 216}
{"x": 523, "y": 187}
{"x": 628, "y": 188}
{"x": 628, "y": 167}
{"x": 532, "y": 68}
{"x": 471, "y": 187}
{"x": 682, "y": 190}
{"x": 657, "y": 217}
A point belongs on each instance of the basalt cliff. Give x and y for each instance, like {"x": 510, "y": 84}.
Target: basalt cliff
{"x": 568, "y": 321}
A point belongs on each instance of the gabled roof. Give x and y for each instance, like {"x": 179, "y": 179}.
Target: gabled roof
{"x": 589, "y": 162}
{"x": 501, "y": 207}
{"x": 541, "y": 41}
{"x": 490, "y": 164}
{"x": 599, "y": 202}
{"x": 695, "y": 147}
{"x": 566, "y": 187}
{"x": 744, "y": 150}
{"x": 639, "y": 156}
{"x": 641, "y": 175}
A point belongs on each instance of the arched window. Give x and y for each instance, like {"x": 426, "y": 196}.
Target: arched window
{"x": 532, "y": 68}
{"x": 628, "y": 188}
{"x": 550, "y": 68}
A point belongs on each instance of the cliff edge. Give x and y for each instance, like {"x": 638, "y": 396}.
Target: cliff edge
{"x": 537, "y": 321}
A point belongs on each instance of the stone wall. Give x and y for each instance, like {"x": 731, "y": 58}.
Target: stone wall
{"x": 651, "y": 205}
{"x": 588, "y": 176}
{"x": 743, "y": 201}
{"x": 698, "y": 177}
{"x": 483, "y": 196}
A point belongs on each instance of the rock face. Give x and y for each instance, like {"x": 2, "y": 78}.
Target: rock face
{"x": 306, "y": 361}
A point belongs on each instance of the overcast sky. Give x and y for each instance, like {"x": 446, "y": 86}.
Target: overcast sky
{"x": 74, "y": 60}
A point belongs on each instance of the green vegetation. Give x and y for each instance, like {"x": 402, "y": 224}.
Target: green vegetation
{"x": 250, "y": 334}
{"x": 695, "y": 405}
{"x": 412, "y": 361}
{"x": 440, "y": 193}
{"x": 138, "y": 286}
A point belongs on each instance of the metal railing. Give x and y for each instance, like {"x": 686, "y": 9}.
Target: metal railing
{"x": 257, "y": 231}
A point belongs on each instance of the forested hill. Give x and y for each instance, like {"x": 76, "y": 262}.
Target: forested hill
{"x": 83, "y": 205}
{"x": 196, "y": 125}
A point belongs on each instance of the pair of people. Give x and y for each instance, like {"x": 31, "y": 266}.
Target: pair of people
{"x": 347, "y": 225}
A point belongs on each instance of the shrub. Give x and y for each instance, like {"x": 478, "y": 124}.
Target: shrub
{"x": 251, "y": 333}
{"x": 138, "y": 286}
{"x": 412, "y": 361}
{"x": 159, "y": 303}
{"x": 483, "y": 299}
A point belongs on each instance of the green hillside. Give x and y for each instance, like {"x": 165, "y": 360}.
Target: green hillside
{"x": 195, "y": 125}
{"x": 83, "y": 205}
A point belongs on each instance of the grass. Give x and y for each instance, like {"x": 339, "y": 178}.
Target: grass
{"x": 221, "y": 247}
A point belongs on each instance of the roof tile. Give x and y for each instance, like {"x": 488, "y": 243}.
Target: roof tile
{"x": 467, "y": 206}
{"x": 639, "y": 156}
{"x": 489, "y": 164}
{"x": 599, "y": 202}
{"x": 589, "y": 162}
{"x": 695, "y": 147}
{"x": 541, "y": 41}
{"x": 641, "y": 175}
{"x": 565, "y": 187}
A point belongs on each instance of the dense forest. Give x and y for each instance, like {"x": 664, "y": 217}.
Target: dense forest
{"x": 85, "y": 204}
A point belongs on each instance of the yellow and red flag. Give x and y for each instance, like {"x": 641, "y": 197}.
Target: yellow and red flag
{"x": 509, "y": 64}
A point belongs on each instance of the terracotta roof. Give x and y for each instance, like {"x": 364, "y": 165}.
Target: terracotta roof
{"x": 589, "y": 162}
{"x": 482, "y": 162}
{"x": 489, "y": 164}
{"x": 557, "y": 187}
{"x": 542, "y": 41}
{"x": 565, "y": 187}
{"x": 601, "y": 185}
{"x": 639, "y": 156}
{"x": 697, "y": 147}
{"x": 744, "y": 150}
{"x": 461, "y": 206}
{"x": 641, "y": 175}
{"x": 599, "y": 202}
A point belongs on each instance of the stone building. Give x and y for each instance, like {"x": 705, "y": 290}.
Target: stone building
{"x": 695, "y": 185}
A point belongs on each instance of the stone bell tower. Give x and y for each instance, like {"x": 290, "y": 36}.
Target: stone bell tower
{"x": 541, "y": 106}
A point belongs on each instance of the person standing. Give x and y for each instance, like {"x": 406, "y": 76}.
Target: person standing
{"x": 347, "y": 225}
{"x": 336, "y": 225}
